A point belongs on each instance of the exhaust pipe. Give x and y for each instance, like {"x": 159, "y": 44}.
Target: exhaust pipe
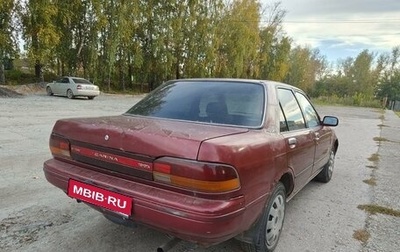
{"x": 169, "y": 244}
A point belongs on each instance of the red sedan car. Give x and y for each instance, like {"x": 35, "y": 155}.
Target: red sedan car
{"x": 204, "y": 160}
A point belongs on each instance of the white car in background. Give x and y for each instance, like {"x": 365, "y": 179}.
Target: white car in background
{"x": 73, "y": 87}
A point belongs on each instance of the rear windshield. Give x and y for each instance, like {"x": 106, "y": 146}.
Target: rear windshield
{"x": 82, "y": 81}
{"x": 219, "y": 102}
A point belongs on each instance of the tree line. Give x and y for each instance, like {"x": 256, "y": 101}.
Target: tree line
{"x": 120, "y": 44}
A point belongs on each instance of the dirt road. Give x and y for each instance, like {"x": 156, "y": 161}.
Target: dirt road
{"x": 36, "y": 216}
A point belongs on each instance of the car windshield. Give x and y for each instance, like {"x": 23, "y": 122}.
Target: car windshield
{"x": 82, "y": 81}
{"x": 219, "y": 102}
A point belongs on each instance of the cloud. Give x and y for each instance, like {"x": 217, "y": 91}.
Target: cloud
{"x": 343, "y": 28}
{"x": 338, "y": 8}
{"x": 336, "y": 49}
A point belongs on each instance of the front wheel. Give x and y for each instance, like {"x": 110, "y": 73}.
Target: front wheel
{"x": 48, "y": 91}
{"x": 325, "y": 174}
{"x": 270, "y": 225}
{"x": 70, "y": 94}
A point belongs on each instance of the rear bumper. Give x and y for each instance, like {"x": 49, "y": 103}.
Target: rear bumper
{"x": 199, "y": 220}
{"x": 82, "y": 92}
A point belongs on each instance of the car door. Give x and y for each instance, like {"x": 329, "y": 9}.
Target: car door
{"x": 64, "y": 85}
{"x": 55, "y": 87}
{"x": 322, "y": 134}
{"x": 300, "y": 140}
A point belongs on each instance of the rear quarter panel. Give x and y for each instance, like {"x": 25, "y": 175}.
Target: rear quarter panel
{"x": 260, "y": 160}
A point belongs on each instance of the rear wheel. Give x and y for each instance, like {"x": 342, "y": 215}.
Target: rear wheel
{"x": 90, "y": 97}
{"x": 270, "y": 225}
{"x": 70, "y": 94}
{"x": 325, "y": 174}
{"x": 49, "y": 91}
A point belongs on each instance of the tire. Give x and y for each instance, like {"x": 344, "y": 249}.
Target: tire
{"x": 70, "y": 94}
{"x": 325, "y": 174}
{"x": 90, "y": 97}
{"x": 269, "y": 227}
{"x": 49, "y": 91}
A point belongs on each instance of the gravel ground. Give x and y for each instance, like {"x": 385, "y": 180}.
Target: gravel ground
{"x": 35, "y": 216}
{"x": 6, "y": 92}
{"x": 384, "y": 229}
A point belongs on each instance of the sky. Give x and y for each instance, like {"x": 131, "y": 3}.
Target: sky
{"x": 343, "y": 28}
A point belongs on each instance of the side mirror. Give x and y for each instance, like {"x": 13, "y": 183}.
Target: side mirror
{"x": 330, "y": 121}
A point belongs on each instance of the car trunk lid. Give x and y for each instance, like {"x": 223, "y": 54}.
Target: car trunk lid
{"x": 129, "y": 144}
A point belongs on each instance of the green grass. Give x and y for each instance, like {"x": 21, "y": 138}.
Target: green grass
{"x": 17, "y": 77}
{"x": 357, "y": 100}
{"x": 374, "y": 157}
{"x": 374, "y": 209}
{"x": 371, "y": 181}
{"x": 361, "y": 235}
{"x": 380, "y": 139}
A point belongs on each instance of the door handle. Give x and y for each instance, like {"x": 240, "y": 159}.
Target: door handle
{"x": 292, "y": 142}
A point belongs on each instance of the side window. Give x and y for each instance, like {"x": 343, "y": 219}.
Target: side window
{"x": 291, "y": 109}
{"x": 65, "y": 80}
{"x": 311, "y": 116}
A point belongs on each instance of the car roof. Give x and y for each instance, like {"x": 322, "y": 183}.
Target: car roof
{"x": 73, "y": 77}
{"x": 272, "y": 84}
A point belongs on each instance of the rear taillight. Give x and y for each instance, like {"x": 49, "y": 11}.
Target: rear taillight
{"x": 60, "y": 147}
{"x": 196, "y": 176}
